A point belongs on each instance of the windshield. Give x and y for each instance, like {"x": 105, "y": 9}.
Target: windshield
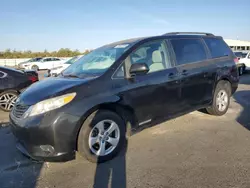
{"x": 97, "y": 61}
{"x": 72, "y": 60}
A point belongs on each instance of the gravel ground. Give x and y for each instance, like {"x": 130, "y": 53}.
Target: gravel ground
{"x": 194, "y": 150}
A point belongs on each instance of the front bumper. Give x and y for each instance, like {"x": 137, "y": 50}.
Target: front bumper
{"x": 46, "y": 138}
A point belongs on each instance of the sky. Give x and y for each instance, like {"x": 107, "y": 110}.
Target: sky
{"x": 37, "y": 25}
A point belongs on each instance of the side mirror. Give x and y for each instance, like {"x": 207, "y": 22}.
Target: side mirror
{"x": 138, "y": 69}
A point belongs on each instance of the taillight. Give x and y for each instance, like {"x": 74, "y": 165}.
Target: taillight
{"x": 236, "y": 60}
{"x": 33, "y": 78}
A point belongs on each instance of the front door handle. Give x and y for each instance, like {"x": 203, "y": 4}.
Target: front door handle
{"x": 174, "y": 75}
{"x": 184, "y": 72}
{"x": 171, "y": 75}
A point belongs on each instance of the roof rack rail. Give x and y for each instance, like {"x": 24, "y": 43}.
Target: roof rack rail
{"x": 189, "y": 33}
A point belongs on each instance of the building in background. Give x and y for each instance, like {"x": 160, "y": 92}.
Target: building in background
{"x": 238, "y": 45}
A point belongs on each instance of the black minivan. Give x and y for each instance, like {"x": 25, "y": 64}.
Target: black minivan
{"x": 92, "y": 105}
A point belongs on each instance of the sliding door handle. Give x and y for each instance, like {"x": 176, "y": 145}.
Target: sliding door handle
{"x": 184, "y": 72}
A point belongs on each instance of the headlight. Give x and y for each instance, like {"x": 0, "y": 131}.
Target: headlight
{"x": 49, "y": 104}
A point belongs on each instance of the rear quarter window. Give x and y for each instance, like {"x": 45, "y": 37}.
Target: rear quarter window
{"x": 217, "y": 47}
{"x": 188, "y": 50}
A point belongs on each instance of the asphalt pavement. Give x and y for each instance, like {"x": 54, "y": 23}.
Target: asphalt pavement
{"x": 194, "y": 150}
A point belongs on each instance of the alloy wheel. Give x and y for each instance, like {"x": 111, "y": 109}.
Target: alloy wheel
{"x": 241, "y": 71}
{"x": 222, "y": 100}
{"x": 7, "y": 101}
{"x": 104, "y": 137}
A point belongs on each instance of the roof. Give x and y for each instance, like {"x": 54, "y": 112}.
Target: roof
{"x": 172, "y": 35}
{"x": 127, "y": 41}
{"x": 231, "y": 42}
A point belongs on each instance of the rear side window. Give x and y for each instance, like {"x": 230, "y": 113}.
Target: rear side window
{"x": 188, "y": 50}
{"x": 217, "y": 47}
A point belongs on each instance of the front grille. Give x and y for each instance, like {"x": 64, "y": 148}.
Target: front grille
{"x": 19, "y": 110}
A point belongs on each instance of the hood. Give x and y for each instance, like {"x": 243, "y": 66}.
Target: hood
{"x": 49, "y": 88}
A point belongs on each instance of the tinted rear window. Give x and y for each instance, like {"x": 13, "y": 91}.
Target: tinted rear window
{"x": 217, "y": 47}
{"x": 188, "y": 50}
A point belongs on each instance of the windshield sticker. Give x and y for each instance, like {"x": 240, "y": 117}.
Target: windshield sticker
{"x": 121, "y": 46}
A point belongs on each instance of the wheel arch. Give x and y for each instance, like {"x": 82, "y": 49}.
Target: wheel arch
{"x": 35, "y": 64}
{"x": 223, "y": 78}
{"x": 125, "y": 112}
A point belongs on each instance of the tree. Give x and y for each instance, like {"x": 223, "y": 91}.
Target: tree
{"x": 63, "y": 52}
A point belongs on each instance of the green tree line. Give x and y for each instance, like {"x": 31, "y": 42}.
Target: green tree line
{"x": 63, "y": 52}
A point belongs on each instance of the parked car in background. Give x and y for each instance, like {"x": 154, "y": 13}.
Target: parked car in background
{"x": 241, "y": 63}
{"x": 44, "y": 63}
{"x": 57, "y": 70}
{"x": 12, "y": 83}
{"x": 24, "y": 64}
{"x": 244, "y": 59}
{"x": 127, "y": 84}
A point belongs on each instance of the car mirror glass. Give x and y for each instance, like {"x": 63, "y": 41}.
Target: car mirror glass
{"x": 138, "y": 69}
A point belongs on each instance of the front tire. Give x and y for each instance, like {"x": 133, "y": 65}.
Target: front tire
{"x": 35, "y": 68}
{"x": 102, "y": 136}
{"x": 221, "y": 99}
{"x": 241, "y": 70}
{"x": 8, "y": 99}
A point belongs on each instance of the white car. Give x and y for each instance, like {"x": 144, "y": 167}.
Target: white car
{"x": 44, "y": 63}
{"x": 24, "y": 64}
{"x": 245, "y": 60}
{"x": 57, "y": 70}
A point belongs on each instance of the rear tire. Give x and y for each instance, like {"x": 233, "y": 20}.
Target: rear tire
{"x": 221, "y": 99}
{"x": 92, "y": 152}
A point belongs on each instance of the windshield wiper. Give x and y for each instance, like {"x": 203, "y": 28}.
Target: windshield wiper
{"x": 70, "y": 75}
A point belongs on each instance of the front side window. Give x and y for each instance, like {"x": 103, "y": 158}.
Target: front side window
{"x": 120, "y": 73}
{"x": 217, "y": 47}
{"x": 154, "y": 54}
{"x": 34, "y": 59}
{"x": 97, "y": 61}
{"x": 47, "y": 59}
{"x": 188, "y": 50}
